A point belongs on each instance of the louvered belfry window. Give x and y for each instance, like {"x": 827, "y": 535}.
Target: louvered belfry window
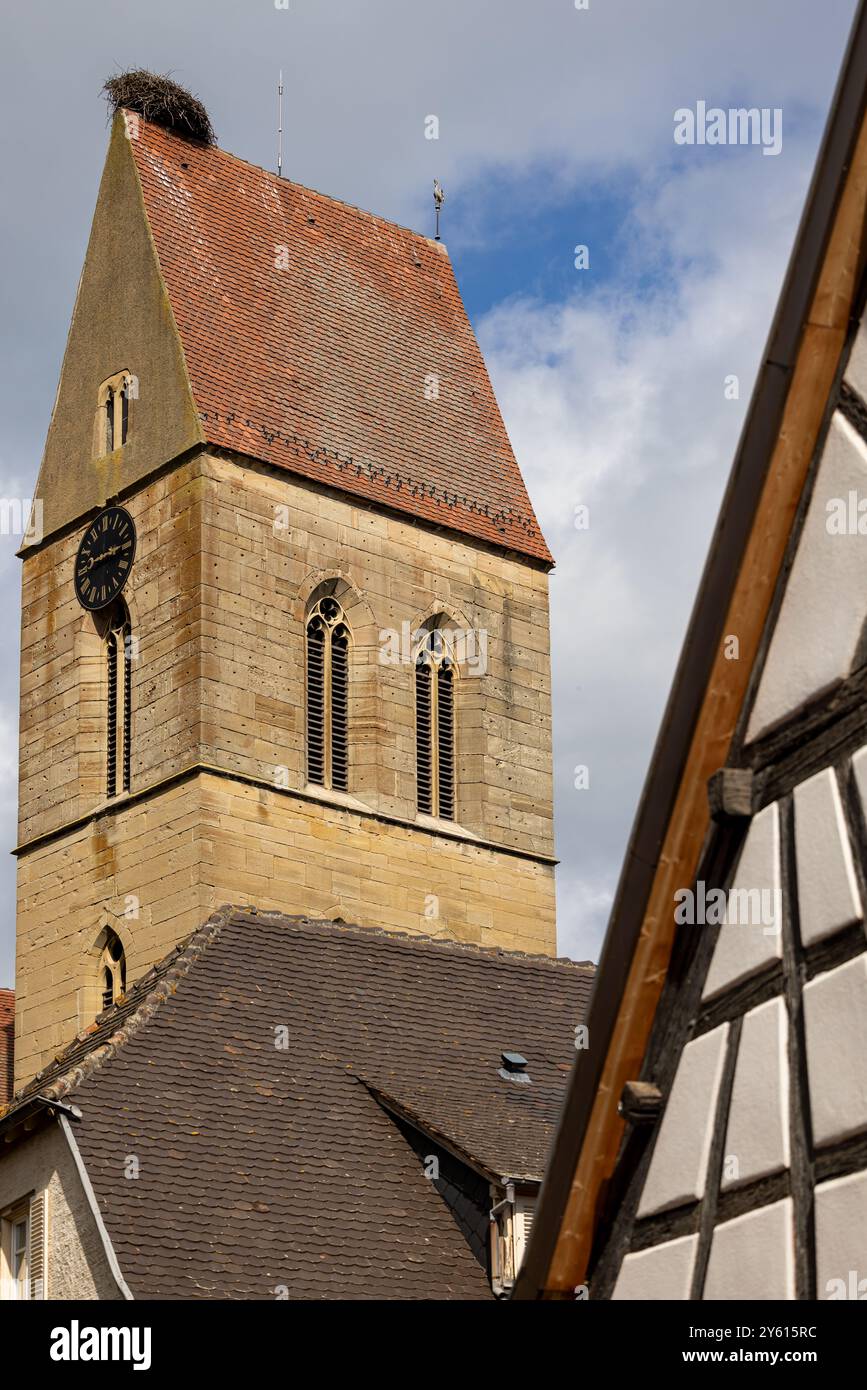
{"x": 118, "y": 653}
{"x": 111, "y": 728}
{"x": 126, "y": 633}
{"x": 328, "y": 696}
{"x": 435, "y": 727}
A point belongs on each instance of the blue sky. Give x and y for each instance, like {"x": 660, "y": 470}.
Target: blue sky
{"x": 531, "y": 239}
{"x": 556, "y": 128}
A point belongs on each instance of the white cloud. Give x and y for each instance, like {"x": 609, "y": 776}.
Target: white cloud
{"x": 530, "y": 96}
{"x": 8, "y": 761}
{"x": 616, "y": 399}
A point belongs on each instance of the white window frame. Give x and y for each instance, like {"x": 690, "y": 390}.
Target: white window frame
{"x": 14, "y": 1289}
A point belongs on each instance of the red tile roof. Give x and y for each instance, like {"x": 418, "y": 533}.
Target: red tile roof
{"x": 320, "y": 367}
{"x": 7, "y": 1043}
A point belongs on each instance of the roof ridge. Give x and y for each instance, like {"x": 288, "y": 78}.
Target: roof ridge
{"x": 409, "y": 938}
{"x": 304, "y": 187}
{"x": 155, "y": 986}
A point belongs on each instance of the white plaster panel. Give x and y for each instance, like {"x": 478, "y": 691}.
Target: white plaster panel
{"x": 752, "y": 1258}
{"x": 825, "y": 602}
{"x": 856, "y": 368}
{"x": 859, "y": 766}
{"x": 841, "y": 1238}
{"x": 835, "y": 1018}
{"x": 828, "y": 897}
{"x": 745, "y": 946}
{"x": 758, "y": 1129}
{"x": 679, "y": 1163}
{"x": 664, "y": 1271}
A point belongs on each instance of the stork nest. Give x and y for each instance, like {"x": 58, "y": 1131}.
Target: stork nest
{"x": 157, "y": 98}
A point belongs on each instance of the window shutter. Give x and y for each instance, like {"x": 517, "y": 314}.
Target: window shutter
{"x": 38, "y": 1252}
{"x": 424, "y": 750}
{"x": 316, "y": 703}
{"x": 446, "y": 742}
{"x": 339, "y": 708}
{"x": 525, "y": 1211}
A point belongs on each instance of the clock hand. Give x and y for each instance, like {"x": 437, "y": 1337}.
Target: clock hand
{"x": 105, "y": 555}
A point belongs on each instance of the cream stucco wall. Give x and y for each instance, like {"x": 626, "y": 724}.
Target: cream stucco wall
{"x": 41, "y": 1162}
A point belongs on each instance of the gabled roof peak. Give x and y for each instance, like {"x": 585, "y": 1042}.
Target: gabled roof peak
{"x": 324, "y": 340}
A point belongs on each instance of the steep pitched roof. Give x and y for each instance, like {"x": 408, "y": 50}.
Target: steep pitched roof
{"x": 310, "y": 329}
{"x": 262, "y": 1164}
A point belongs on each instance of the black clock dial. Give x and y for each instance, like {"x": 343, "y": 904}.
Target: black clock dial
{"x": 104, "y": 558}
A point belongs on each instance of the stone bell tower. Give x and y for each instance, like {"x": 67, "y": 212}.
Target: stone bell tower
{"x": 318, "y": 678}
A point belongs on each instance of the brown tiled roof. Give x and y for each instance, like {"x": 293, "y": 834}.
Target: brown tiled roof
{"x": 112, "y": 1028}
{"x": 7, "y": 1043}
{"x": 320, "y": 367}
{"x": 262, "y": 1166}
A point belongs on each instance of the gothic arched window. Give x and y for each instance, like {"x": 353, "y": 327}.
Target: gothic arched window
{"x": 435, "y": 726}
{"x": 112, "y": 970}
{"x": 119, "y": 655}
{"x": 113, "y": 412}
{"x": 328, "y": 695}
{"x": 109, "y": 420}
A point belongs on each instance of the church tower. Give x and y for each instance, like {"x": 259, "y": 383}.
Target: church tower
{"x": 285, "y": 629}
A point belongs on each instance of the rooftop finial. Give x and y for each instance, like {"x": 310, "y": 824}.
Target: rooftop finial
{"x": 280, "y": 125}
{"x": 439, "y": 199}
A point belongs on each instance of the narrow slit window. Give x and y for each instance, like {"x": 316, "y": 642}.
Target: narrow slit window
{"x": 435, "y": 728}
{"x": 111, "y": 716}
{"x": 119, "y": 645}
{"x": 328, "y": 642}
{"x": 113, "y": 412}
{"x": 126, "y": 633}
{"x": 109, "y": 421}
{"x": 124, "y": 411}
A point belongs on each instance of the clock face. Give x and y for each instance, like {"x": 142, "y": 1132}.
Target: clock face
{"x": 104, "y": 558}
